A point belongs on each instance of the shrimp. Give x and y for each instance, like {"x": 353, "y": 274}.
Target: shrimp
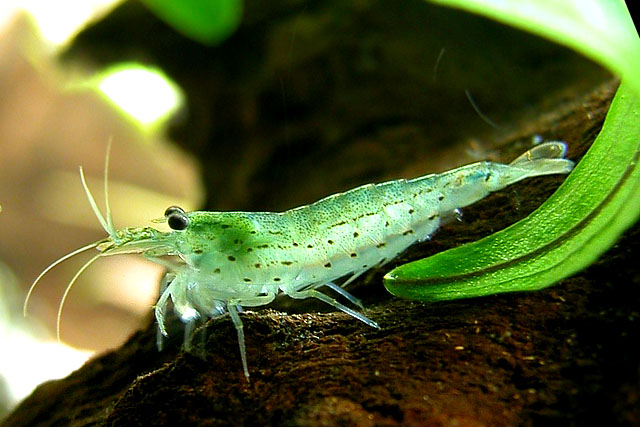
{"x": 224, "y": 261}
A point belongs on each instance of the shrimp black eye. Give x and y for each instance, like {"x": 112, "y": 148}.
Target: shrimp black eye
{"x": 178, "y": 221}
{"x": 173, "y": 209}
{"x": 176, "y": 218}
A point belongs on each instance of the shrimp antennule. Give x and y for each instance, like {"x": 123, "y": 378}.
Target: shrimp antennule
{"x": 53, "y": 264}
{"x": 107, "y": 225}
{"x": 111, "y": 228}
{"x": 68, "y": 288}
{"x": 94, "y": 206}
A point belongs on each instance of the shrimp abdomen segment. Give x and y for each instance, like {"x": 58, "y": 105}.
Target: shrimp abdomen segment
{"x": 354, "y": 231}
{"x": 466, "y": 185}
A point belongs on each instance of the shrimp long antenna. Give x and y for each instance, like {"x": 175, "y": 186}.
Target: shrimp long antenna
{"x": 53, "y": 264}
{"x": 93, "y": 204}
{"x": 66, "y": 291}
{"x": 480, "y": 113}
{"x": 111, "y": 229}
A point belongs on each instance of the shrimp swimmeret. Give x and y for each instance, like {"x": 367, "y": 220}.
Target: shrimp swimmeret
{"x": 229, "y": 260}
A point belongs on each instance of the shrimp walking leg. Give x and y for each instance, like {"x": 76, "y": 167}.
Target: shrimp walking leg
{"x": 164, "y": 283}
{"x": 340, "y": 290}
{"x": 233, "y": 307}
{"x": 235, "y": 318}
{"x": 314, "y": 293}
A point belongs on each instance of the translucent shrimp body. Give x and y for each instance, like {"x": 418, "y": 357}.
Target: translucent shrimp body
{"x": 230, "y": 260}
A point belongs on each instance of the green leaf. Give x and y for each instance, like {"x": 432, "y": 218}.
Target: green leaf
{"x": 584, "y": 217}
{"x": 597, "y": 202}
{"x": 599, "y": 29}
{"x": 206, "y": 21}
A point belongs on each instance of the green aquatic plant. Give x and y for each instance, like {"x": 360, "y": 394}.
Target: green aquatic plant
{"x": 206, "y": 21}
{"x": 593, "y": 207}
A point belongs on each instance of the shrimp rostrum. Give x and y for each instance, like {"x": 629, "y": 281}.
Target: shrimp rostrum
{"x": 228, "y": 260}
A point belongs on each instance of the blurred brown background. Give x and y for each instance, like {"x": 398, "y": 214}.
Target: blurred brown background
{"x": 49, "y": 125}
